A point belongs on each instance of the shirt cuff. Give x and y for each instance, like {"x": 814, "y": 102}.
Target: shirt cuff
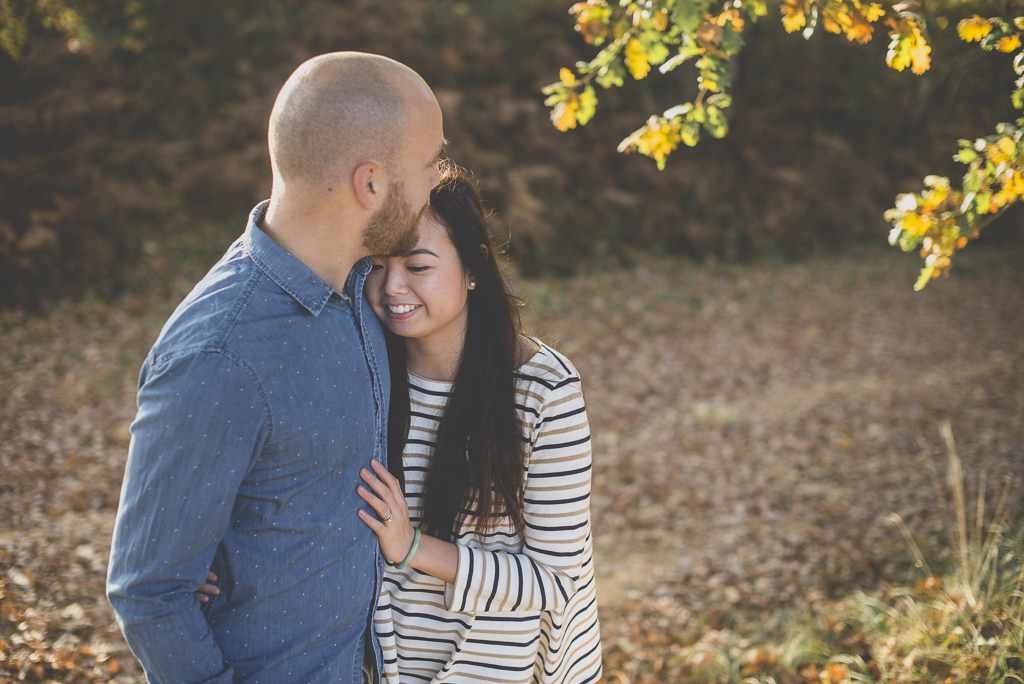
{"x": 460, "y": 596}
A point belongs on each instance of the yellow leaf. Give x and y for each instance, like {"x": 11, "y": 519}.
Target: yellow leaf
{"x": 793, "y": 18}
{"x": 1008, "y": 43}
{"x": 1013, "y": 188}
{"x": 915, "y": 224}
{"x": 660, "y": 20}
{"x": 919, "y": 51}
{"x": 636, "y": 59}
{"x": 658, "y": 143}
{"x": 567, "y": 77}
{"x": 1015, "y": 184}
{"x": 732, "y": 17}
{"x": 830, "y": 23}
{"x": 974, "y": 28}
{"x": 874, "y": 12}
{"x": 860, "y": 31}
{"x": 564, "y": 115}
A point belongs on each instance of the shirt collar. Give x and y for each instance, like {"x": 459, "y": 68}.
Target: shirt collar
{"x": 293, "y": 276}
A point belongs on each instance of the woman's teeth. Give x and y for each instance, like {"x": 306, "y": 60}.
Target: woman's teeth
{"x": 401, "y": 308}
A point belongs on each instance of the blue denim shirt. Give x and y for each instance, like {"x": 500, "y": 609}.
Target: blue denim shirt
{"x": 265, "y": 393}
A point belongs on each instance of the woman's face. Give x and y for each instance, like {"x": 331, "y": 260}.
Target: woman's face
{"x": 422, "y": 294}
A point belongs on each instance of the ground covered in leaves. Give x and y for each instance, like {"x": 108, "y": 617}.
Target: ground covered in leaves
{"x": 754, "y": 428}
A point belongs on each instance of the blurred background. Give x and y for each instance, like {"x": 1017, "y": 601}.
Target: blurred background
{"x": 132, "y": 134}
{"x": 765, "y": 388}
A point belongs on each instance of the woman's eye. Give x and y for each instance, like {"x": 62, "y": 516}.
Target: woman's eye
{"x": 376, "y": 267}
{"x": 418, "y": 269}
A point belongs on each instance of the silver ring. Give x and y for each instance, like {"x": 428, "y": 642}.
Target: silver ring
{"x": 391, "y": 514}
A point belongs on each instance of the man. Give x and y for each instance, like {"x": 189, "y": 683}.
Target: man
{"x": 265, "y": 393}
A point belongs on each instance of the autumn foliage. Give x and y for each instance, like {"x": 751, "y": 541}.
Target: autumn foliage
{"x": 133, "y": 134}
{"x": 635, "y": 36}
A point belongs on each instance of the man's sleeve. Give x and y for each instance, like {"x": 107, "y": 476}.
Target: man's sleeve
{"x": 201, "y": 423}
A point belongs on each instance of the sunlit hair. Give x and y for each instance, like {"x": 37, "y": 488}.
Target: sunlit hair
{"x": 477, "y": 468}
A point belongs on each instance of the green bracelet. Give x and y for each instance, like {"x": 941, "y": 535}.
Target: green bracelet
{"x": 412, "y": 551}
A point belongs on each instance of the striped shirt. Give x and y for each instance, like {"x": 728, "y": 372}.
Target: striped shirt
{"x": 521, "y": 610}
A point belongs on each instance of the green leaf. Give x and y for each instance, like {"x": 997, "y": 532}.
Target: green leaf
{"x": 553, "y": 88}
{"x": 588, "y": 105}
{"x": 720, "y": 100}
{"x": 966, "y": 156}
{"x": 715, "y": 117}
{"x": 610, "y": 75}
{"x": 922, "y": 280}
{"x": 657, "y": 53}
{"x": 690, "y": 133}
{"x": 687, "y": 51}
{"x": 688, "y": 16}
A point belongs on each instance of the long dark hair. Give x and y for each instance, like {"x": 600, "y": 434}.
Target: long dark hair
{"x": 480, "y": 445}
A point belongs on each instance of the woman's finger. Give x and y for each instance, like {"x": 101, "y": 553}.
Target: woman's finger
{"x": 388, "y": 479}
{"x": 397, "y": 501}
{"x": 210, "y": 576}
{"x": 378, "y": 487}
{"x": 380, "y": 507}
{"x": 374, "y": 524}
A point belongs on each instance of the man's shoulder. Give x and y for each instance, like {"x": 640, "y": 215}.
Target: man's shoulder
{"x": 232, "y": 292}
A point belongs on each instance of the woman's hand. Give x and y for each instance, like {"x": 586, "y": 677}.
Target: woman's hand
{"x": 208, "y": 589}
{"x": 394, "y": 531}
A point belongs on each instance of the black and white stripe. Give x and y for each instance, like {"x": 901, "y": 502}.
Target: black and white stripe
{"x": 521, "y": 610}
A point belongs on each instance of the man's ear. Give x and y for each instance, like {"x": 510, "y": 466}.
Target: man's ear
{"x": 370, "y": 184}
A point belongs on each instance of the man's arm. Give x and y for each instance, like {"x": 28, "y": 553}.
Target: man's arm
{"x": 201, "y": 424}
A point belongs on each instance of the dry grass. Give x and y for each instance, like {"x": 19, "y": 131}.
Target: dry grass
{"x": 754, "y": 428}
{"x": 963, "y": 625}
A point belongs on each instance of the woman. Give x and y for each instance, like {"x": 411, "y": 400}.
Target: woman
{"x": 484, "y": 519}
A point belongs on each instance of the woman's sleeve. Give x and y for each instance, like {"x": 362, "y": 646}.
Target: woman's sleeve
{"x": 557, "y": 513}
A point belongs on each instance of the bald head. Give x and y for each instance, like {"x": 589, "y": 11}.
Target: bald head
{"x": 339, "y": 110}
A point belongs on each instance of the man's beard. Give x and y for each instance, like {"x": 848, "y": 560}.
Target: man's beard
{"x": 394, "y": 228}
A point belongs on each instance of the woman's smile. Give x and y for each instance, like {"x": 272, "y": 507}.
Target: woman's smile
{"x": 400, "y": 312}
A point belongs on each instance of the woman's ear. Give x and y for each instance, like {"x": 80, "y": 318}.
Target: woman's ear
{"x": 370, "y": 184}
{"x": 472, "y": 281}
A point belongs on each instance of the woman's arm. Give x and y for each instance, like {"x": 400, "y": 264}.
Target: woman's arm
{"x": 556, "y": 511}
{"x": 434, "y": 557}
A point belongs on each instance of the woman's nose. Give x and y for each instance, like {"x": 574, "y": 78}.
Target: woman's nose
{"x": 394, "y": 283}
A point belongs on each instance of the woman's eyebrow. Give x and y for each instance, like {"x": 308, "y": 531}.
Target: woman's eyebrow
{"x": 421, "y": 250}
